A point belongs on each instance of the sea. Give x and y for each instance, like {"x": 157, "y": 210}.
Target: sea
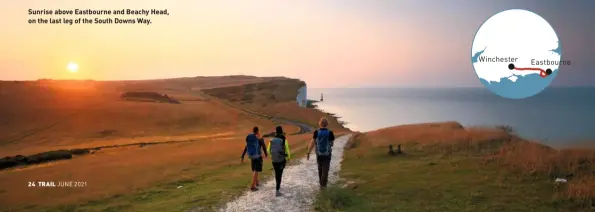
{"x": 558, "y": 116}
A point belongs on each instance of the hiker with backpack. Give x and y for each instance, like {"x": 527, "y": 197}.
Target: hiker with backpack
{"x": 279, "y": 151}
{"x": 322, "y": 141}
{"x": 254, "y": 142}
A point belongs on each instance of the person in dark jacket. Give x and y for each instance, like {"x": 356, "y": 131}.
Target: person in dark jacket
{"x": 322, "y": 140}
{"x": 254, "y": 143}
{"x": 278, "y": 149}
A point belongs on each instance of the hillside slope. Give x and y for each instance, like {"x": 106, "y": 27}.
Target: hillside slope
{"x": 446, "y": 167}
{"x": 45, "y": 115}
{"x": 48, "y": 115}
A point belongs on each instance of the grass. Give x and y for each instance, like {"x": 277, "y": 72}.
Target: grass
{"x": 137, "y": 180}
{"x": 40, "y": 118}
{"x": 45, "y": 116}
{"x": 448, "y": 168}
{"x": 338, "y": 199}
{"x": 206, "y": 190}
{"x": 445, "y": 168}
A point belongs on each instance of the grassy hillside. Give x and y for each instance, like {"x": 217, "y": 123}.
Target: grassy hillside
{"x": 449, "y": 168}
{"x": 48, "y": 115}
{"x": 138, "y": 179}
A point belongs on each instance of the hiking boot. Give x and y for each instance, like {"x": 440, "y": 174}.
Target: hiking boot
{"x": 278, "y": 194}
{"x": 254, "y": 189}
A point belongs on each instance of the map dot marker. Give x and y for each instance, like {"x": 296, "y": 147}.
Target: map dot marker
{"x": 511, "y": 66}
{"x": 548, "y": 71}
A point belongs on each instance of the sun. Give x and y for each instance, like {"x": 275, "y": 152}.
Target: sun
{"x": 72, "y": 67}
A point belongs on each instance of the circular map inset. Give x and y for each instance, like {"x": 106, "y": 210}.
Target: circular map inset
{"x": 516, "y": 54}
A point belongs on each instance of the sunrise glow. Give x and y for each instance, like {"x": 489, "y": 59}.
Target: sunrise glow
{"x": 72, "y": 67}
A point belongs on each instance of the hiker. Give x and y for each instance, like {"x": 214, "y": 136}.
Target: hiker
{"x": 322, "y": 139}
{"x": 253, "y": 144}
{"x": 279, "y": 151}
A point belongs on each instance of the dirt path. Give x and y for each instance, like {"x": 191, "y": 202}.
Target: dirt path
{"x": 299, "y": 185}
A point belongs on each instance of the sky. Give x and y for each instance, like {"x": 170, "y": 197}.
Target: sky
{"x": 327, "y": 43}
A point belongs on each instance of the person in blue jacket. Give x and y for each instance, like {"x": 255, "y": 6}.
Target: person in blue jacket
{"x": 254, "y": 143}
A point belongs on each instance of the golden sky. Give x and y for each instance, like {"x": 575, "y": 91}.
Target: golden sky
{"x": 326, "y": 43}
{"x": 200, "y": 38}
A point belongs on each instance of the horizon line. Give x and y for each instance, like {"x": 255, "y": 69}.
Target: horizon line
{"x": 444, "y": 86}
{"x": 244, "y": 75}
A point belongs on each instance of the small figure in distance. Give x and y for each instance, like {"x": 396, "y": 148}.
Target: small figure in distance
{"x": 392, "y": 152}
{"x": 254, "y": 142}
{"x": 279, "y": 150}
{"x": 322, "y": 140}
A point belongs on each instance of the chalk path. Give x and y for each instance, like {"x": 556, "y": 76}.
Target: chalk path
{"x": 299, "y": 185}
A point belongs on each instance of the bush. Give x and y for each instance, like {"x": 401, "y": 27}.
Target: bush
{"x": 79, "y": 151}
{"x": 148, "y": 95}
{"x": 49, "y": 156}
{"x": 506, "y": 129}
{"x": 7, "y": 162}
{"x": 20, "y": 160}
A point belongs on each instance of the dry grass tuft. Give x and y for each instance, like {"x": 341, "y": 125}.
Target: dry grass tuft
{"x": 582, "y": 190}
{"x": 575, "y": 165}
{"x": 353, "y": 141}
{"x": 439, "y": 137}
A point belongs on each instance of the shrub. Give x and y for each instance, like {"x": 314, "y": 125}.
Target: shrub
{"x": 79, "y": 151}
{"x": 7, "y": 162}
{"x": 49, "y": 156}
{"x": 148, "y": 95}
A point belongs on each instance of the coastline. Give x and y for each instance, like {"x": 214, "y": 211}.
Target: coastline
{"x": 477, "y": 151}
{"x": 497, "y": 148}
{"x": 266, "y": 100}
{"x": 552, "y": 143}
{"x": 562, "y": 110}
{"x": 312, "y": 104}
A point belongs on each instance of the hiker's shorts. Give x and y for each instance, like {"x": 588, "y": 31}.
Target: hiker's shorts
{"x": 256, "y": 164}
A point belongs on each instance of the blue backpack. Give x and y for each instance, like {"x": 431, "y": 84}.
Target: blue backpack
{"x": 252, "y": 146}
{"x": 323, "y": 144}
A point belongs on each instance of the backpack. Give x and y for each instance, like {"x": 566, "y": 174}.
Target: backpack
{"x": 252, "y": 146}
{"x": 323, "y": 144}
{"x": 278, "y": 150}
